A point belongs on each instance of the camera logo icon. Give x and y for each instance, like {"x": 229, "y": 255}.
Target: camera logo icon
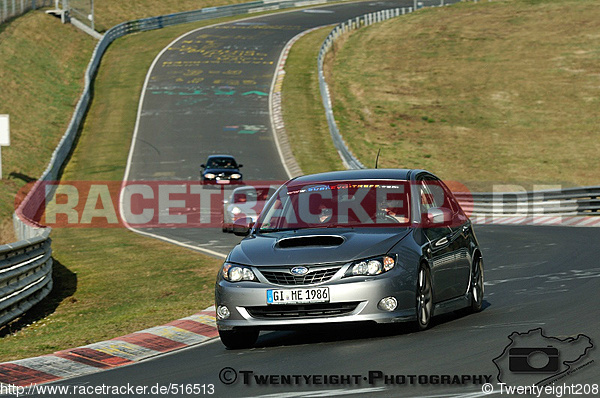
{"x": 533, "y": 360}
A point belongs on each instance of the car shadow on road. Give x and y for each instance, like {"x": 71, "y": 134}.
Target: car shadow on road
{"x": 350, "y": 332}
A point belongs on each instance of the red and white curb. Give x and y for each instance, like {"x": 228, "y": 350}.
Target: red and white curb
{"x": 566, "y": 221}
{"x": 119, "y": 351}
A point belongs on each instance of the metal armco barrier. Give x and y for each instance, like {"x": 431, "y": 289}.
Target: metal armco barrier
{"x": 583, "y": 201}
{"x": 25, "y": 275}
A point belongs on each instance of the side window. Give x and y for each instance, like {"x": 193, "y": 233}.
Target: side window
{"x": 458, "y": 217}
{"x": 432, "y": 196}
{"x": 427, "y": 200}
{"x": 445, "y": 200}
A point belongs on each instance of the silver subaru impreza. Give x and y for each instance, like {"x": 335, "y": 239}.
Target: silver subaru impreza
{"x": 379, "y": 245}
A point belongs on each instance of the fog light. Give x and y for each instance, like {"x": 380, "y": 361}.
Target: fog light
{"x": 223, "y": 312}
{"x": 388, "y": 304}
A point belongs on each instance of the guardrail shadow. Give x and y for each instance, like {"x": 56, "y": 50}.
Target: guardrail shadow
{"x": 65, "y": 285}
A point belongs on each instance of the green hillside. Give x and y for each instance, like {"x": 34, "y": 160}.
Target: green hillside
{"x": 502, "y": 92}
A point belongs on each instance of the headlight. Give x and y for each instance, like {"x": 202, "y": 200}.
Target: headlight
{"x": 236, "y": 210}
{"x": 236, "y": 273}
{"x": 236, "y": 176}
{"x": 372, "y": 266}
{"x": 210, "y": 176}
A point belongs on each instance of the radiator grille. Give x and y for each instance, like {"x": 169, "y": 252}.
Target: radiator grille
{"x": 302, "y": 311}
{"x": 311, "y": 278}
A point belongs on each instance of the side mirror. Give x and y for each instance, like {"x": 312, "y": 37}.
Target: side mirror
{"x": 242, "y": 226}
{"x": 203, "y": 165}
{"x": 240, "y": 166}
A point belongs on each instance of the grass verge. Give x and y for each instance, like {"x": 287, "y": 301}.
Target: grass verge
{"x": 504, "y": 92}
{"x": 40, "y": 82}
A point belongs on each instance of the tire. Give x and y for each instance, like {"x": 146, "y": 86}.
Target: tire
{"x": 224, "y": 226}
{"x": 239, "y": 338}
{"x": 477, "y": 289}
{"x": 424, "y": 298}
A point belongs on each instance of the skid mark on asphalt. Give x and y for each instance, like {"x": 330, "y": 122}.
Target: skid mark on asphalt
{"x": 554, "y": 277}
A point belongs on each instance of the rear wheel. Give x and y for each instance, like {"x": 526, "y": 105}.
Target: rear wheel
{"x": 239, "y": 337}
{"x": 424, "y": 298}
{"x": 477, "y": 285}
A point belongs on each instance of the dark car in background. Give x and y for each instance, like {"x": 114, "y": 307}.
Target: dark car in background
{"x": 374, "y": 246}
{"x": 221, "y": 169}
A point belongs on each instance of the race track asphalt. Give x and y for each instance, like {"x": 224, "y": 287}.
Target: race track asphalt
{"x": 536, "y": 277}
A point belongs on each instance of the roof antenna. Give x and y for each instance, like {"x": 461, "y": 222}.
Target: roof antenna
{"x": 377, "y": 158}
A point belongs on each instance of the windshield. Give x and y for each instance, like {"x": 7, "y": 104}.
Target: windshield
{"x": 252, "y": 194}
{"x": 221, "y": 163}
{"x": 338, "y": 204}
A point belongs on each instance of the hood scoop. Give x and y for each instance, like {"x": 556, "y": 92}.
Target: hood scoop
{"x": 310, "y": 240}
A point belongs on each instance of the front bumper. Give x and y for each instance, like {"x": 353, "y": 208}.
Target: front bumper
{"x": 358, "y": 297}
{"x": 222, "y": 181}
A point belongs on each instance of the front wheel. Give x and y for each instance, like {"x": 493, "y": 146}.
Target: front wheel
{"x": 239, "y": 337}
{"x": 424, "y": 298}
{"x": 477, "y": 285}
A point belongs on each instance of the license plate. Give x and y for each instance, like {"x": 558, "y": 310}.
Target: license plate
{"x": 298, "y": 296}
{"x": 223, "y": 181}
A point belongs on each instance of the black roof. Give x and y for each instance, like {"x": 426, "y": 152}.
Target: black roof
{"x": 362, "y": 174}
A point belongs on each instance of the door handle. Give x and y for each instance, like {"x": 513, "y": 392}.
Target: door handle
{"x": 441, "y": 242}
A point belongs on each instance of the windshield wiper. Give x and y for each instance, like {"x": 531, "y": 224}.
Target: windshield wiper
{"x": 276, "y": 229}
{"x": 267, "y": 230}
